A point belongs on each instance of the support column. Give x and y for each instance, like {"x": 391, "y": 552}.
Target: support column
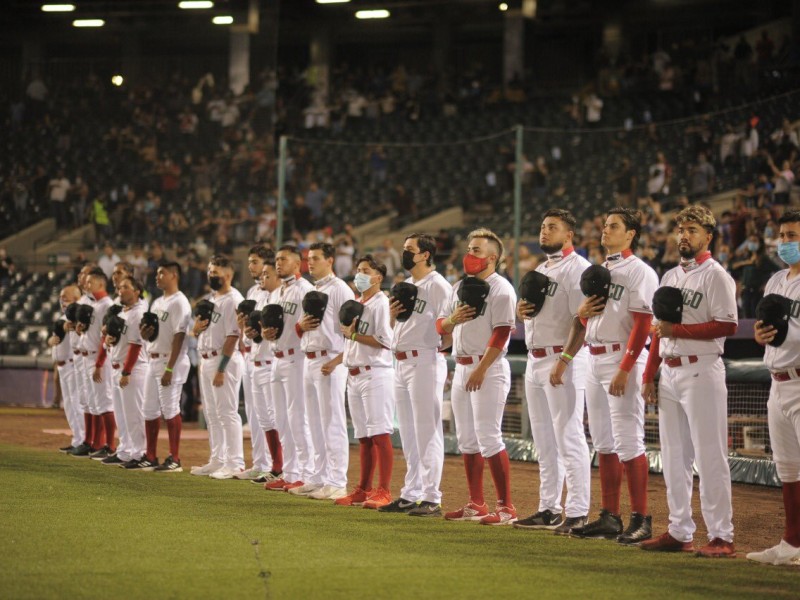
{"x": 239, "y": 59}
{"x": 320, "y": 52}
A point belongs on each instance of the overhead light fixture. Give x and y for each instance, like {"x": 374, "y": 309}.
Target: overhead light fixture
{"x": 195, "y": 4}
{"x": 58, "y": 7}
{"x": 88, "y": 23}
{"x": 373, "y": 14}
{"x": 332, "y": 1}
{"x": 503, "y": 6}
{"x": 222, "y": 20}
{"x": 117, "y": 80}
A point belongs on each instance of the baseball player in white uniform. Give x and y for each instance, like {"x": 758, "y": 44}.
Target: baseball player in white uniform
{"x": 167, "y": 367}
{"x": 783, "y": 407}
{"x": 369, "y": 386}
{"x": 556, "y": 412}
{"x": 617, "y": 331}
{"x": 261, "y": 462}
{"x": 692, "y": 395}
{"x": 221, "y": 373}
{"x": 419, "y": 376}
{"x": 65, "y": 368}
{"x": 324, "y": 392}
{"x": 482, "y": 379}
{"x": 286, "y": 386}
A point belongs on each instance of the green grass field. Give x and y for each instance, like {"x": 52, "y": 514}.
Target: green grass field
{"x": 73, "y": 529}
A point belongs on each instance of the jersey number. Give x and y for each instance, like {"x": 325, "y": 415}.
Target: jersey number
{"x": 615, "y": 291}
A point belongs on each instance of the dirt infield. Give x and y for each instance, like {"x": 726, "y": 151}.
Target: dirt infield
{"x": 757, "y": 511}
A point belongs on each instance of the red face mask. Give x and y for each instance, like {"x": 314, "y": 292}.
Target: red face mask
{"x": 474, "y": 265}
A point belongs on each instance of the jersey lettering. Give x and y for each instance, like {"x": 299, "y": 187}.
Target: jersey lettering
{"x": 551, "y": 288}
{"x": 615, "y": 291}
{"x": 289, "y": 307}
{"x": 419, "y": 306}
{"x": 795, "y": 312}
{"x": 215, "y": 317}
{"x": 163, "y": 315}
{"x": 362, "y": 327}
{"x": 691, "y": 298}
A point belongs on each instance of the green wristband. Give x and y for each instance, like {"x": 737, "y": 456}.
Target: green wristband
{"x": 565, "y": 355}
{"x": 223, "y": 362}
{"x": 167, "y": 370}
{"x": 353, "y": 337}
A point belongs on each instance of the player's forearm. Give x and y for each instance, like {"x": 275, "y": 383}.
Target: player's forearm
{"x": 230, "y": 345}
{"x": 489, "y": 357}
{"x": 653, "y": 361}
{"x": 710, "y": 330}
{"x": 445, "y": 325}
{"x": 367, "y": 340}
{"x": 577, "y": 335}
{"x": 175, "y": 352}
{"x": 636, "y": 340}
{"x": 335, "y": 362}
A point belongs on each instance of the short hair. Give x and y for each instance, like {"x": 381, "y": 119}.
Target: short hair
{"x": 137, "y": 285}
{"x": 97, "y": 272}
{"x": 262, "y": 251}
{"x": 373, "y": 264}
{"x": 790, "y": 216}
{"x": 126, "y": 266}
{"x": 697, "y": 214}
{"x": 220, "y": 260}
{"x": 292, "y": 249}
{"x": 426, "y": 243}
{"x": 559, "y": 213}
{"x": 172, "y": 266}
{"x": 490, "y": 235}
{"x": 632, "y": 219}
{"x": 328, "y": 251}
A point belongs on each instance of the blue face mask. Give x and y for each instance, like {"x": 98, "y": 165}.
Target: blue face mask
{"x": 363, "y": 282}
{"x": 752, "y": 246}
{"x": 723, "y": 257}
{"x": 789, "y": 252}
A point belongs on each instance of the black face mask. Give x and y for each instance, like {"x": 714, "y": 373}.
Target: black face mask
{"x": 408, "y": 259}
{"x": 215, "y": 283}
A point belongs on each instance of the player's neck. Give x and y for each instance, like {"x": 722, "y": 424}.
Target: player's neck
{"x": 170, "y": 292}
{"x": 625, "y": 251}
{"x": 420, "y": 270}
{"x": 794, "y": 270}
{"x": 370, "y": 293}
{"x": 318, "y": 278}
{"x": 223, "y": 290}
{"x": 486, "y": 273}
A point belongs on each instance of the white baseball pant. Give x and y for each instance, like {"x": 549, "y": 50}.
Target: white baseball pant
{"x": 286, "y": 388}
{"x": 327, "y": 421}
{"x": 70, "y": 395}
{"x": 616, "y": 423}
{"x": 99, "y": 395}
{"x": 371, "y": 401}
{"x": 80, "y": 384}
{"x": 783, "y": 410}
{"x": 124, "y": 448}
{"x": 418, "y": 393}
{"x": 262, "y": 400}
{"x": 130, "y": 400}
{"x": 693, "y": 427}
{"x": 479, "y": 415}
{"x": 556, "y": 416}
{"x": 160, "y": 400}
{"x": 258, "y": 442}
{"x": 221, "y": 409}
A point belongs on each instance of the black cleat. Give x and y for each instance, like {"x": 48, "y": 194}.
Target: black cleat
{"x": 66, "y": 449}
{"x": 81, "y": 451}
{"x": 169, "y": 466}
{"x": 569, "y": 524}
{"x": 639, "y": 529}
{"x": 102, "y": 454}
{"x": 398, "y": 506}
{"x": 426, "y": 509}
{"x": 112, "y": 460}
{"x": 544, "y": 519}
{"x": 606, "y": 527}
{"x": 141, "y": 465}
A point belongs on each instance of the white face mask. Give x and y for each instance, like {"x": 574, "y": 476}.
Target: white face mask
{"x": 363, "y": 282}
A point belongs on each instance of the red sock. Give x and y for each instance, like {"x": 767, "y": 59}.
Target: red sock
{"x": 88, "y": 425}
{"x": 275, "y": 450}
{"x": 367, "y": 455}
{"x": 383, "y": 445}
{"x": 111, "y": 429}
{"x": 610, "y": 481}
{"x": 473, "y": 465}
{"x": 636, "y": 471}
{"x": 151, "y": 433}
{"x": 98, "y": 432}
{"x": 174, "y": 426}
{"x": 791, "y": 504}
{"x": 501, "y": 475}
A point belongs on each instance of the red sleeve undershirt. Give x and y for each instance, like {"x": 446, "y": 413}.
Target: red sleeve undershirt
{"x": 710, "y": 330}
{"x": 584, "y": 322}
{"x": 101, "y": 357}
{"x": 653, "y": 361}
{"x": 440, "y": 326}
{"x": 499, "y": 337}
{"x": 131, "y": 358}
{"x": 637, "y": 339}
{"x": 298, "y": 330}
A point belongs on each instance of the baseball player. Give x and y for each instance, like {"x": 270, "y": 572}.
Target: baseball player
{"x": 783, "y": 407}
{"x": 419, "y": 377}
{"x": 286, "y": 385}
{"x": 221, "y": 373}
{"x": 617, "y": 330}
{"x": 321, "y": 342}
{"x": 261, "y": 462}
{"x": 65, "y": 369}
{"x": 369, "y": 385}
{"x": 167, "y": 367}
{"x": 692, "y": 395}
{"x": 482, "y": 379}
{"x": 556, "y": 412}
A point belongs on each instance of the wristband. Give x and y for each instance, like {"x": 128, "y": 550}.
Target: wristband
{"x": 353, "y": 337}
{"x": 223, "y": 362}
{"x": 167, "y": 370}
{"x": 565, "y": 355}
{"x": 450, "y": 320}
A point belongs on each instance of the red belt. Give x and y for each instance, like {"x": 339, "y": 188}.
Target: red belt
{"x": 313, "y": 355}
{"x": 595, "y": 350}
{"x": 467, "y": 360}
{"x": 157, "y": 355}
{"x": 246, "y": 349}
{"x": 87, "y": 353}
{"x": 406, "y": 355}
{"x": 281, "y": 354}
{"x": 76, "y": 352}
{"x": 677, "y": 361}
{"x": 358, "y": 370}
{"x": 210, "y": 354}
{"x": 115, "y": 366}
{"x": 61, "y": 363}
{"x": 258, "y": 363}
{"x": 786, "y": 375}
{"x": 543, "y": 352}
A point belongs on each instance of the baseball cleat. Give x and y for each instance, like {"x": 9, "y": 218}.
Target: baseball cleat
{"x": 502, "y": 515}
{"x": 267, "y": 477}
{"x": 143, "y": 464}
{"x": 569, "y": 523}
{"x": 293, "y": 486}
{"x": 101, "y": 454}
{"x": 328, "y": 492}
{"x": 471, "y": 512}
{"x": 114, "y": 459}
{"x": 782, "y": 554}
{"x": 398, "y": 506}
{"x": 279, "y": 485}
{"x": 606, "y": 527}
{"x": 170, "y": 465}
{"x": 224, "y": 473}
{"x": 378, "y": 498}
{"x": 305, "y": 490}
{"x": 544, "y": 519}
{"x": 250, "y": 474}
{"x": 355, "y": 498}
{"x": 206, "y": 469}
{"x": 639, "y": 529}
{"x": 426, "y": 509}
{"x": 81, "y": 451}
{"x": 66, "y": 449}
{"x": 717, "y": 548}
{"x": 666, "y": 543}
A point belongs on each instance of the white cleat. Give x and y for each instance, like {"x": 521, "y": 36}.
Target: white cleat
{"x": 250, "y": 474}
{"x": 306, "y": 489}
{"x": 328, "y": 492}
{"x": 206, "y": 469}
{"x": 225, "y": 473}
{"x": 782, "y": 554}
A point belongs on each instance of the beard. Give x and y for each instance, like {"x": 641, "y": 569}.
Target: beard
{"x": 687, "y": 252}
{"x": 551, "y": 248}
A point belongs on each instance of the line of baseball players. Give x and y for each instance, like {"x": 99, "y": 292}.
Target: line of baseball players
{"x": 299, "y": 348}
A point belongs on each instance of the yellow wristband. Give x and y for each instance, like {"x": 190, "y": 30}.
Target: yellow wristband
{"x": 353, "y": 337}
{"x": 565, "y": 355}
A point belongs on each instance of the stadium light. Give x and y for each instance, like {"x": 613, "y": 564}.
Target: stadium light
{"x": 222, "y": 20}
{"x": 195, "y": 4}
{"x": 503, "y": 6}
{"x": 117, "y": 80}
{"x": 88, "y": 23}
{"x": 332, "y": 1}
{"x": 58, "y": 7}
{"x": 373, "y": 14}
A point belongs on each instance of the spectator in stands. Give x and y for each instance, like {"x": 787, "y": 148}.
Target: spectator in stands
{"x": 742, "y": 55}
{"x": 659, "y": 178}
{"x": 302, "y": 217}
{"x": 7, "y": 268}
{"x": 170, "y": 173}
{"x": 404, "y": 204}
{"x": 378, "y": 166}
{"x": 315, "y": 200}
{"x": 540, "y": 178}
{"x": 388, "y": 255}
{"x": 345, "y": 251}
{"x": 138, "y": 261}
{"x": 57, "y": 190}
{"x": 624, "y": 184}
{"x": 727, "y": 145}
{"x": 201, "y": 174}
{"x": 108, "y": 259}
{"x": 783, "y": 180}
{"x": 155, "y": 260}
{"x": 765, "y": 48}
{"x": 702, "y": 177}
{"x": 754, "y": 269}
{"x": 100, "y": 219}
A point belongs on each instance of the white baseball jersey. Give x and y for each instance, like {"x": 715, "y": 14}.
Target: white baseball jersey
{"x": 552, "y": 325}
{"x": 472, "y": 337}
{"x": 63, "y": 351}
{"x": 375, "y": 322}
{"x": 633, "y": 284}
{"x": 263, "y": 351}
{"x": 787, "y": 355}
{"x": 223, "y": 322}
{"x": 92, "y": 337}
{"x": 174, "y": 316}
{"x": 419, "y": 331}
{"x": 254, "y": 293}
{"x": 76, "y": 340}
{"x": 709, "y": 294}
{"x": 328, "y": 336}
{"x": 130, "y": 333}
{"x": 290, "y": 297}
